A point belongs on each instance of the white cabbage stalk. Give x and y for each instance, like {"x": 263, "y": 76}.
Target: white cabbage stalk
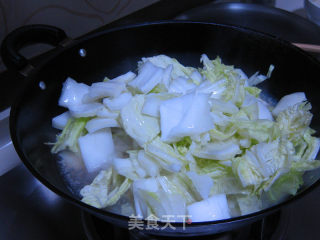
{"x": 219, "y": 118}
{"x": 202, "y": 183}
{"x": 97, "y": 150}
{"x": 264, "y": 112}
{"x": 148, "y": 185}
{"x": 166, "y": 78}
{"x": 181, "y": 85}
{"x": 149, "y": 76}
{"x": 249, "y": 100}
{"x": 215, "y": 89}
{"x": 241, "y": 74}
{"x": 188, "y": 115}
{"x": 196, "y": 77}
{"x": 222, "y": 106}
{"x": 107, "y": 113}
{"x": 96, "y": 124}
{"x": 72, "y": 93}
{"x": 125, "y": 78}
{"x": 171, "y": 114}
{"x": 148, "y": 164}
{"x": 210, "y": 209}
{"x": 85, "y": 110}
{"x": 116, "y": 104}
{"x": 103, "y": 89}
{"x": 125, "y": 167}
{"x": 152, "y": 103}
{"x": 60, "y": 121}
{"x": 258, "y": 109}
{"x": 257, "y": 78}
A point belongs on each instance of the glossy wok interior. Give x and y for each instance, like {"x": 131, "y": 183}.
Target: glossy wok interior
{"x": 112, "y": 53}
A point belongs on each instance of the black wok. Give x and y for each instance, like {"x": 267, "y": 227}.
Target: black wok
{"x": 116, "y": 51}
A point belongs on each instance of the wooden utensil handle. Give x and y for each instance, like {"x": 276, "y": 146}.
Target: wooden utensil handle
{"x": 308, "y": 47}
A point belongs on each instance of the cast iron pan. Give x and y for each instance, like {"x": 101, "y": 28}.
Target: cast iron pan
{"x": 275, "y": 21}
{"x": 116, "y": 51}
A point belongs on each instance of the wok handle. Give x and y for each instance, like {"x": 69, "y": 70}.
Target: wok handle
{"x": 25, "y": 36}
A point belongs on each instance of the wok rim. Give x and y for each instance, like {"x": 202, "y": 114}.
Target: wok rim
{"x": 17, "y": 104}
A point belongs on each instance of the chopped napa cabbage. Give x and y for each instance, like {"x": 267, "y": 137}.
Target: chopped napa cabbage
{"x": 210, "y": 209}
{"x": 224, "y": 180}
{"x": 295, "y": 118}
{"x": 246, "y": 168}
{"x": 222, "y": 133}
{"x": 151, "y": 197}
{"x": 165, "y": 155}
{"x": 85, "y": 110}
{"x": 68, "y": 139}
{"x": 256, "y": 108}
{"x": 264, "y": 112}
{"x": 215, "y": 89}
{"x": 222, "y": 106}
{"x": 138, "y": 165}
{"x": 101, "y": 193}
{"x": 96, "y": 124}
{"x": 179, "y": 140}
{"x": 180, "y": 184}
{"x": 249, "y": 204}
{"x": 202, "y": 183}
{"x": 313, "y": 145}
{"x": 152, "y": 103}
{"x": 196, "y": 77}
{"x": 260, "y": 130}
{"x": 288, "y": 101}
{"x": 185, "y": 116}
{"x": 183, "y": 145}
{"x": 97, "y": 149}
{"x": 166, "y": 78}
{"x": 116, "y": 104}
{"x": 148, "y": 164}
{"x": 253, "y": 91}
{"x": 149, "y": 76}
{"x": 124, "y": 78}
{"x": 219, "y": 150}
{"x": 181, "y": 85}
{"x": 127, "y": 167}
{"x": 104, "y": 89}
{"x": 141, "y": 128}
{"x": 211, "y": 167}
{"x": 214, "y": 70}
{"x": 287, "y": 184}
{"x": 72, "y": 93}
{"x": 60, "y": 121}
{"x": 106, "y": 113}
{"x": 257, "y": 78}
{"x": 178, "y": 70}
{"x": 235, "y": 91}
